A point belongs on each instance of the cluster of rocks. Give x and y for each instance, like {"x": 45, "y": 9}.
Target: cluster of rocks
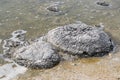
{"x": 77, "y": 39}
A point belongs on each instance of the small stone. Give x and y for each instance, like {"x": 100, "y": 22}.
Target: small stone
{"x": 53, "y": 9}
{"x": 102, "y": 3}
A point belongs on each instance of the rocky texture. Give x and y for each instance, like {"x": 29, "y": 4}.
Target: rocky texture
{"x": 17, "y": 39}
{"x": 40, "y": 54}
{"x": 53, "y": 9}
{"x": 103, "y": 3}
{"x": 81, "y": 39}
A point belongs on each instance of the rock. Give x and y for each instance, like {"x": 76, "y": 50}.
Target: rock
{"x": 37, "y": 55}
{"x": 81, "y": 39}
{"x": 17, "y": 39}
{"x": 103, "y": 3}
{"x": 53, "y": 9}
{"x": 18, "y": 35}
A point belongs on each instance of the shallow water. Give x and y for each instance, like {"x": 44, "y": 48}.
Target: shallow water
{"x": 33, "y": 16}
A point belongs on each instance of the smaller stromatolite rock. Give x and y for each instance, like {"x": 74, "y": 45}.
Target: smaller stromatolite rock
{"x": 37, "y": 55}
{"x": 81, "y": 39}
{"x": 53, "y": 8}
{"x": 102, "y": 3}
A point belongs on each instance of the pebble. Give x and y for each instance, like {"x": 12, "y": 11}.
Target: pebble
{"x": 53, "y": 9}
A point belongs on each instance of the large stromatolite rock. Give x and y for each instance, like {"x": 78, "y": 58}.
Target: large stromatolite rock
{"x": 81, "y": 39}
{"x": 40, "y": 54}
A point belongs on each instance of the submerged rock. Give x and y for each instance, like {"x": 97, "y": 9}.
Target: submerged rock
{"x": 81, "y": 39}
{"x": 53, "y": 9}
{"x": 37, "y": 55}
{"x": 103, "y": 3}
{"x": 17, "y": 39}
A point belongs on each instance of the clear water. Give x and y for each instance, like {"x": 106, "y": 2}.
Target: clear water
{"x": 33, "y": 16}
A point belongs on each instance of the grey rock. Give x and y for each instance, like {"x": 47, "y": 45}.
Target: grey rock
{"x": 53, "y": 8}
{"x": 81, "y": 39}
{"x": 19, "y": 35}
{"x": 103, "y": 3}
{"x": 40, "y": 54}
{"x": 17, "y": 39}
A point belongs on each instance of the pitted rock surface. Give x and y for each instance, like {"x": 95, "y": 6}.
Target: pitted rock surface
{"x": 81, "y": 39}
{"x": 37, "y": 55}
{"x": 17, "y": 40}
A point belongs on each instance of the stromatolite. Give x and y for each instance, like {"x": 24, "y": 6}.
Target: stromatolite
{"x": 81, "y": 39}
{"x": 40, "y": 54}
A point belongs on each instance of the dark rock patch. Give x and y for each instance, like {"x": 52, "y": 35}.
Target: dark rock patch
{"x": 103, "y": 3}
{"x": 53, "y": 9}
